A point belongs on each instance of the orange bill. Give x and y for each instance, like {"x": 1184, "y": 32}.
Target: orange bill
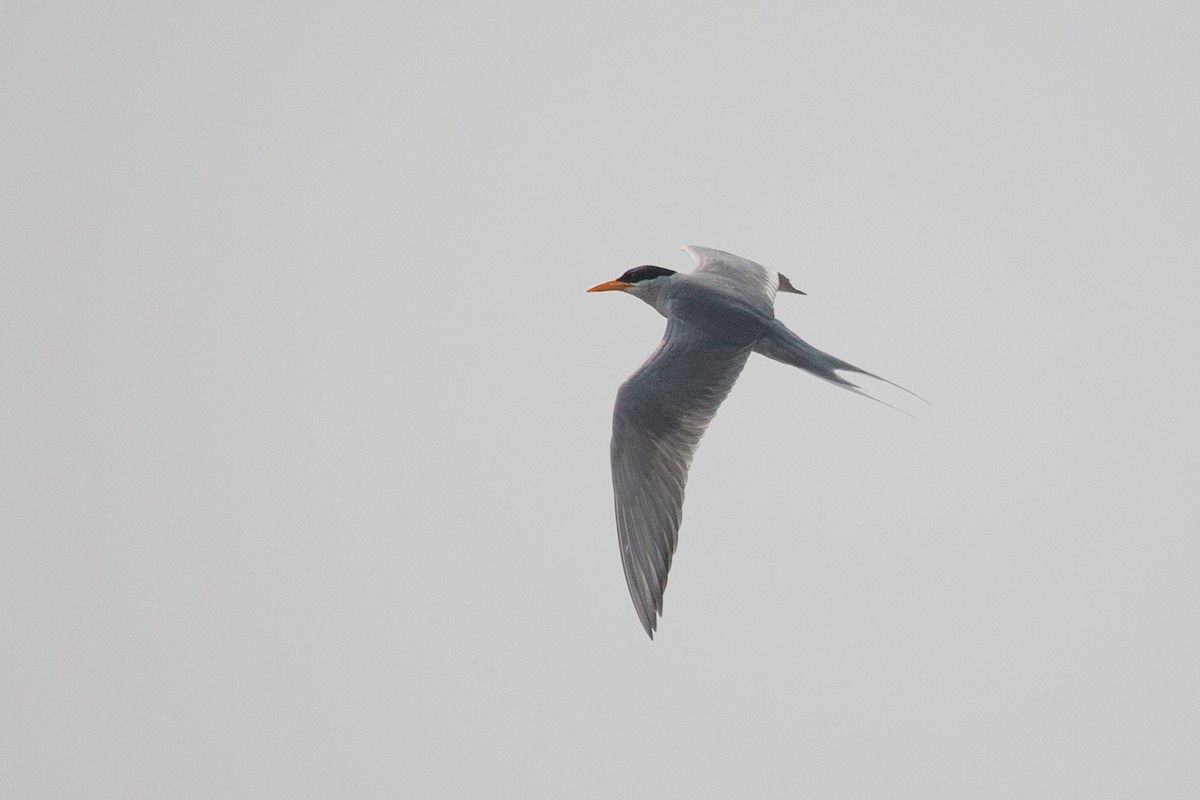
{"x": 610, "y": 286}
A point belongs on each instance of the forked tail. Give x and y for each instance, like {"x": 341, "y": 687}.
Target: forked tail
{"x": 780, "y": 344}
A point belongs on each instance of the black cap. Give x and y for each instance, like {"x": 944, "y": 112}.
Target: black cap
{"x": 645, "y": 273}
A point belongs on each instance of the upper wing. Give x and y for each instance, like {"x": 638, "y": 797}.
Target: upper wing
{"x": 755, "y": 282}
{"x": 660, "y": 415}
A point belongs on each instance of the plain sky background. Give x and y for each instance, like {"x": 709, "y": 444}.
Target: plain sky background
{"x": 304, "y": 418}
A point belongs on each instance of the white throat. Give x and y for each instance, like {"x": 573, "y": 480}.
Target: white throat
{"x": 653, "y": 292}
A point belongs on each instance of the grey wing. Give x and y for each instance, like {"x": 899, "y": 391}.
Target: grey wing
{"x": 755, "y": 279}
{"x": 660, "y": 415}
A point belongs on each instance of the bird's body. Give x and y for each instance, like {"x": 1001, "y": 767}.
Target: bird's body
{"x": 717, "y": 315}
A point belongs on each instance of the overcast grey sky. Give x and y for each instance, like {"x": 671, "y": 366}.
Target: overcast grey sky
{"x": 304, "y": 417}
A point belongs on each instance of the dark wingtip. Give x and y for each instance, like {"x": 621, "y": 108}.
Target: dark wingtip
{"x": 650, "y": 624}
{"x": 785, "y": 285}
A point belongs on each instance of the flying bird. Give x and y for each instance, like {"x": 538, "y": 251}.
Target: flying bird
{"x": 717, "y": 315}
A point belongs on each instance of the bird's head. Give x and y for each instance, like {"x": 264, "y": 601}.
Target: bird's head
{"x": 643, "y": 282}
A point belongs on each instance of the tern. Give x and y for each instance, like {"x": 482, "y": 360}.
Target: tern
{"x": 717, "y": 315}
